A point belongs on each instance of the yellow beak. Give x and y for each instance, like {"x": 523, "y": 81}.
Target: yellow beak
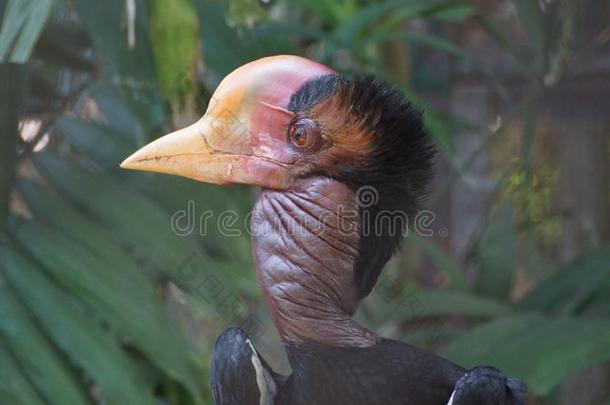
{"x": 186, "y": 153}
{"x": 242, "y": 138}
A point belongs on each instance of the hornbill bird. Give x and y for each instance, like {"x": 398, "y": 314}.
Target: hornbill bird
{"x": 313, "y": 139}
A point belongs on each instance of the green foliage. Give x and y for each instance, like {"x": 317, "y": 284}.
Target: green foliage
{"x": 35, "y": 355}
{"x": 534, "y": 206}
{"x": 244, "y": 13}
{"x": 447, "y": 264}
{"x": 174, "y": 35}
{"x": 89, "y": 248}
{"x": 576, "y": 288}
{"x": 439, "y": 303}
{"x": 86, "y": 305}
{"x": 496, "y": 254}
{"x": 541, "y": 350}
{"x": 23, "y": 21}
{"x": 13, "y": 78}
{"x": 14, "y": 387}
{"x": 74, "y": 332}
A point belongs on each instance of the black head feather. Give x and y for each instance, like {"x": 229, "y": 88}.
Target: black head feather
{"x": 396, "y": 169}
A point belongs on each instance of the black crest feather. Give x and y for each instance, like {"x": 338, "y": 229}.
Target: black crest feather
{"x": 398, "y": 168}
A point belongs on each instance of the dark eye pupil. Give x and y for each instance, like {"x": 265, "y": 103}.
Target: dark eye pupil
{"x": 304, "y": 135}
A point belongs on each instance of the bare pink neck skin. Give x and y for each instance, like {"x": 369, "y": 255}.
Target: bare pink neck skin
{"x": 305, "y": 244}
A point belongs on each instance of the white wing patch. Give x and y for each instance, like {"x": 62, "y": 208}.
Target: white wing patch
{"x": 264, "y": 380}
{"x": 451, "y": 399}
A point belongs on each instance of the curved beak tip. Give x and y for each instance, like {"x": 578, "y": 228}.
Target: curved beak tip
{"x": 126, "y": 164}
{"x": 131, "y": 162}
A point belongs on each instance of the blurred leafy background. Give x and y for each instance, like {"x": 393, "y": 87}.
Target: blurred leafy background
{"x": 100, "y": 302}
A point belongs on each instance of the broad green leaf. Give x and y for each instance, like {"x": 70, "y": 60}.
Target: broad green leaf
{"x": 364, "y": 18}
{"x": 440, "y": 303}
{"x": 273, "y": 30}
{"x": 529, "y": 126}
{"x": 332, "y": 12}
{"x": 226, "y": 48}
{"x": 429, "y": 334}
{"x": 13, "y": 78}
{"x": 439, "y": 10}
{"x": 205, "y": 197}
{"x": 496, "y": 252}
{"x": 84, "y": 341}
{"x": 37, "y": 359}
{"x": 31, "y": 30}
{"x": 245, "y": 13}
{"x": 14, "y": 387}
{"x": 130, "y": 69}
{"x": 108, "y": 147}
{"x": 64, "y": 45}
{"x": 489, "y": 338}
{"x": 436, "y": 42}
{"x": 573, "y": 286}
{"x": 99, "y": 142}
{"x": 23, "y": 22}
{"x": 127, "y": 216}
{"x": 121, "y": 297}
{"x": 405, "y": 12}
{"x": 223, "y": 49}
{"x": 205, "y": 206}
{"x": 541, "y": 350}
{"x": 597, "y": 303}
{"x": 135, "y": 222}
{"x": 174, "y": 37}
{"x": 107, "y": 23}
{"x": 413, "y": 308}
{"x": 48, "y": 207}
{"x": 533, "y": 260}
{"x": 445, "y": 262}
{"x": 117, "y": 112}
{"x": 453, "y": 12}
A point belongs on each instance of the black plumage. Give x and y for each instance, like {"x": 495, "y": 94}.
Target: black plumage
{"x": 389, "y": 373}
{"x": 235, "y": 379}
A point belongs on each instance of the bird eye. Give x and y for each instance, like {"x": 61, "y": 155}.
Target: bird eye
{"x": 304, "y": 134}
{"x": 299, "y": 137}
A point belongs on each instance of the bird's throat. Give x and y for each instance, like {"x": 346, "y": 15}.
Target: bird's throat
{"x": 305, "y": 244}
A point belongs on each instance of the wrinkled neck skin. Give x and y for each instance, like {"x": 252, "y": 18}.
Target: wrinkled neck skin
{"x": 305, "y": 245}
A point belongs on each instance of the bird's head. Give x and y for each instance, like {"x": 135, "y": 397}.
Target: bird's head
{"x": 278, "y": 121}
